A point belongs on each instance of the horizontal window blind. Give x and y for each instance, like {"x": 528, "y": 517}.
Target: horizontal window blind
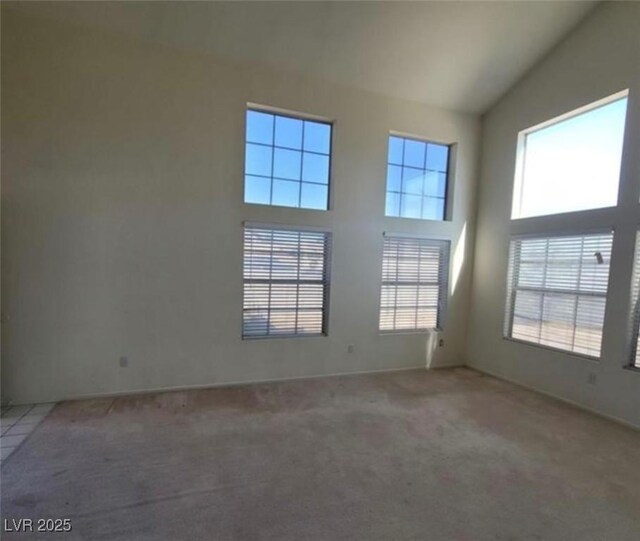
{"x": 286, "y": 282}
{"x": 557, "y": 288}
{"x": 635, "y": 305}
{"x": 414, "y": 283}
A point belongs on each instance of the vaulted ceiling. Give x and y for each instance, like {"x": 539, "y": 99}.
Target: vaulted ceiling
{"x": 456, "y": 55}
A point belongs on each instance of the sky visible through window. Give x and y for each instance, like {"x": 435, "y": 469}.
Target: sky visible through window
{"x": 574, "y": 164}
{"x": 416, "y": 179}
{"x": 287, "y": 161}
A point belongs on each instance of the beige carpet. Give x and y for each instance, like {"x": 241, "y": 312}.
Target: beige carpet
{"x": 446, "y": 455}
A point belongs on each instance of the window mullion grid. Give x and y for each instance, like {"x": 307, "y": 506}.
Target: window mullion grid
{"x": 416, "y": 262}
{"x": 557, "y": 266}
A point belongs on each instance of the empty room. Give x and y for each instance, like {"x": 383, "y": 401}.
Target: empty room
{"x": 320, "y": 270}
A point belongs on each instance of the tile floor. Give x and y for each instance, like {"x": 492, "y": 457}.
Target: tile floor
{"x": 17, "y": 422}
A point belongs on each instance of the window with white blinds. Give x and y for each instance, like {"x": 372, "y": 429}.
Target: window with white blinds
{"x": 414, "y": 283}
{"x": 286, "y": 282}
{"x": 635, "y": 307}
{"x": 557, "y": 288}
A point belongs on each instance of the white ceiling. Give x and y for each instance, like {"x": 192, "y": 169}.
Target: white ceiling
{"x": 455, "y": 55}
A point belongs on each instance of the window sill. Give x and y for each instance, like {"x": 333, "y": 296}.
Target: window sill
{"x": 581, "y": 356}
{"x": 409, "y": 331}
{"x": 281, "y": 337}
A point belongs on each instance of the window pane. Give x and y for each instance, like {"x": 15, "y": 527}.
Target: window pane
{"x": 412, "y": 180}
{"x": 258, "y": 160}
{"x": 255, "y": 323}
{"x": 288, "y": 132}
{"x": 555, "y": 298}
{"x": 437, "y": 157}
{"x": 317, "y": 137}
{"x": 259, "y": 127}
{"x": 431, "y": 184}
{"x": 432, "y": 208}
{"x": 315, "y": 168}
{"x": 314, "y": 196}
{"x": 396, "y": 145}
{"x": 257, "y": 190}
{"x": 589, "y": 324}
{"x": 573, "y": 164}
{"x": 414, "y": 153}
{"x": 286, "y": 193}
{"x": 273, "y": 150}
{"x": 394, "y": 178}
{"x": 286, "y": 164}
{"x": 411, "y": 206}
{"x": 288, "y": 298}
{"x": 414, "y": 283}
{"x": 393, "y": 204}
{"x": 418, "y": 170}
{"x": 435, "y": 184}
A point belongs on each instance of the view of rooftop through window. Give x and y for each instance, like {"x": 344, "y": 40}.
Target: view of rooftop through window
{"x": 572, "y": 164}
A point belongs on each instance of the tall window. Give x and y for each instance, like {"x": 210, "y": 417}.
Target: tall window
{"x": 286, "y": 282}
{"x": 572, "y": 163}
{"x": 635, "y": 307}
{"x": 414, "y": 283}
{"x": 557, "y": 290}
{"x": 417, "y": 174}
{"x": 287, "y": 161}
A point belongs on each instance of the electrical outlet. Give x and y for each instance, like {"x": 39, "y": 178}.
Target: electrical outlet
{"x": 124, "y": 362}
{"x": 441, "y": 343}
{"x": 592, "y": 378}
{"x": 350, "y": 348}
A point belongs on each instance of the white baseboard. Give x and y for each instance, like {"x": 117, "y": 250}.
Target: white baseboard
{"x": 558, "y": 397}
{"x": 196, "y": 387}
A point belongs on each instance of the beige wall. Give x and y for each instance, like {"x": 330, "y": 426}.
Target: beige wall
{"x": 598, "y": 59}
{"x": 122, "y": 218}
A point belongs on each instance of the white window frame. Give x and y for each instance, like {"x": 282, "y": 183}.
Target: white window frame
{"x": 448, "y": 190}
{"x": 303, "y": 117}
{"x": 518, "y": 182}
{"x": 442, "y": 284}
{"x": 512, "y": 288}
{"x": 325, "y": 282}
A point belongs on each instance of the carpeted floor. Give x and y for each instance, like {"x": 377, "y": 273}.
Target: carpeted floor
{"x": 445, "y": 455}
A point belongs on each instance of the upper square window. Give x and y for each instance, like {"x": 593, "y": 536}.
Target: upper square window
{"x": 416, "y": 179}
{"x": 571, "y": 163}
{"x": 287, "y": 161}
